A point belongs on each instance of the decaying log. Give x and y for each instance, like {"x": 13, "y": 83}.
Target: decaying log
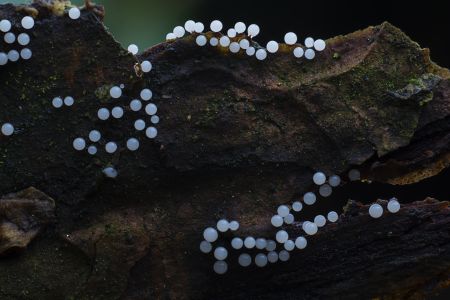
{"x": 237, "y": 137}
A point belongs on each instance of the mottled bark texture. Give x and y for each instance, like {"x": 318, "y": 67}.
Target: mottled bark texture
{"x": 237, "y": 137}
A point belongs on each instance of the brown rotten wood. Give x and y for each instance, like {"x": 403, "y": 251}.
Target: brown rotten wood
{"x": 237, "y": 138}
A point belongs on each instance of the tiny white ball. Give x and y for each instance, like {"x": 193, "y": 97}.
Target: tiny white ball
{"x": 334, "y": 180}
{"x": 297, "y": 206}
{"x": 245, "y": 260}
{"x": 272, "y": 47}
{"x": 201, "y": 40}
{"x": 277, "y": 220}
{"x": 115, "y": 92}
{"x": 284, "y": 255}
{"x": 5, "y": 25}
{"x": 214, "y": 41}
{"x": 10, "y": 38}
{"x": 224, "y": 41}
{"x": 154, "y": 119}
{"x": 110, "y": 172}
{"x": 319, "y": 178}
{"x": 220, "y": 253}
{"x": 92, "y": 150}
{"x": 282, "y": 236}
{"x": 139, "y": 124}
{"x": 74, "y": 13}
{"x": 309, "y": 42}
{"x": 289, "y": 245}
{"x": 375, "y": 210}
{"x": 216, "y": 26}
{"x": 325, "y": 190}
{"x": 234, "y": 47}
{"x": 146, "y": 66}
{"x": 250, "y": 51}
{"x": 135, "y": 105}
{"x": 79, "y": 144}
{"x": 298, "y": 52}
{"x": 319, "y": 45}
{"x": 320, "y": 220}
{"x": 179, "y": 31}
{"x": 220, "y": 267}
{"x": 7, "y": 129}
{"x": 170, "y": 36}
{"x": 151, "y": 109}
{"x": 244, "y": 44}
{"x": 272, "y": 257}
{"x": 354, "y": 175}
{"x": 332, "y": 216}
{"x": 27, "y": 22}
{"x": 309, "y": 198}
{"x": 189, "y": 26}
{"x": 3, "y": 58}
{"x": 57, "y": 102}
{"x": 271, "y": 245}
{"x": 237, "y": 243}
{"x": 133, "y": 49}
{"x": 117, "y": 112}
{"x": 132, "y": 144}
{"x": 261, "y": 243}
{"x": 289, "y": 219}
{"x": 231, "y": 33}
{"x": 111, "y": 147}
{"x": 301, "y": 242}
{"x": 234, "y": 225}
{"x": 210, "y": 234}
{"x": 261, "y": 260}
{"x": 249, "y": 242}
{"x": 205, "y": 246}
{"x": 146, "y": 94}
{"x": 223, "y": 225}
{"x": 199, "y": 27}
{"x": 240, "y": 27}
{"x": 95, "y": 136}
{"x": 26, "y": 53}
{"x": 13, "y": 55}
{"x": 69, "y": 101}
{"x": 290, "y": 38}
{"x": 393, "y": 205}
{"x": 253, "y": 30}
{"x": 151, "y": 132}
{"x": 310, "y": 54}
{"x": 311, "y": 228}
{"x": 283, "y": 210}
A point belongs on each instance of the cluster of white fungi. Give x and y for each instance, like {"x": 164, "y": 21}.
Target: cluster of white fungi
{"x": 267, "y": 248}
{"x": 240, "y": 37}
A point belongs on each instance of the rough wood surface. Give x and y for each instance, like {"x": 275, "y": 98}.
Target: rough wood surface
{"x": 237, "y": 138}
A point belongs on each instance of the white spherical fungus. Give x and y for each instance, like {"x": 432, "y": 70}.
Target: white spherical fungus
{"x": 220, "y": 267}
{"x": 244, "y": 260}
{"x": 139, "y": 124}
{"x": 189, "y": 26}
{"x": 57, "y": 102}
{"x": 320, "y": 220}
{"x": 201, "y": 40}
{"x": 250, "y": 51}
{"x": 271, "y": 245}
{"x": 234, "y": 225}
{"x": 334, "y": 180}
{"x": 237, "y": 243}
{"x": 272, "y": 47}
{"x": 151, "y": 109}
{"x": 9, "y": 38}
{"x": 244, "y": 44}
{"x": 110, "y": 172}
{"x": 132, "y": 144}
{"x": 319, "y": 178}
{"x": 249, "y": 242}
{"x": 69, "y": 101}
{"x": 7, "y": 129}
{"x": 214, "y": 41}
{"x": 309, "y": 198}
{"x": 289, "y": 219}
{"x": 253, "y": 30}
{"x": 220, "y": 253}
{"x": 272, "y": 257}
{"x": 210, "y": 234}
{"x": 284, "y": 255}
{"x": 325, "y": 190}
{"x": 310, "y": 228}
{"x": 133, "y": 49}
{"x": 74, "y": 13}
{"x": 95, "y": 136}
{"x": 5, "y": 25}
{"x": 234, "y": 47}
{"x": 146, "y": 94}
{"x": 240, "y": 27}
{"x": 224, "y": 41}
{"x": 179, "y": 31}
{"x": 111, "y": 147}
{"x": 135, "y": 105}
{"x": 231, "y": 33}
{"x": 319, "y": 45}
{"x": 223, "y": 225}
{"x": 117, "y": 112}
{"x": 354, "y": 175}
{"x": 290, "y": 38}
{"x": 289, "y": 245}
{"x": 3, "y": 58}
{"x": 199, "y": 27}
{"x": 298, "y": 52}
{"x": 277, "y": 220}
{"x": 261, "y": 243}
{"x": 282, "y": 236}
{"x": 216, "y": 26}
{"x": 146, "y": 66}
{"x": 301, "y": 242}
{"x": 205, "y": 246}
{"x": 297, "y": 206}
{"x": 13, "y": 55}
{"x": 27, "y": 22}
{"x": 92, "y": 150}
{"x": 79, "y": 144}
{"x": 151, "y": 132}
{"x": 310, "y": 54}
{"x": 309, "y": 42}
{"x": 393, "y": 205}
{"x": 115, "y": 92}
{"x": 26, "y": 53}
{"x": 283, "y": 210}
{"x": 332, "y": 216}
{"x": 170, "y": 36}
{"x": 23, "y": 39}
{"x": 375, "y": 210}
{"x": 261, "y": 260}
